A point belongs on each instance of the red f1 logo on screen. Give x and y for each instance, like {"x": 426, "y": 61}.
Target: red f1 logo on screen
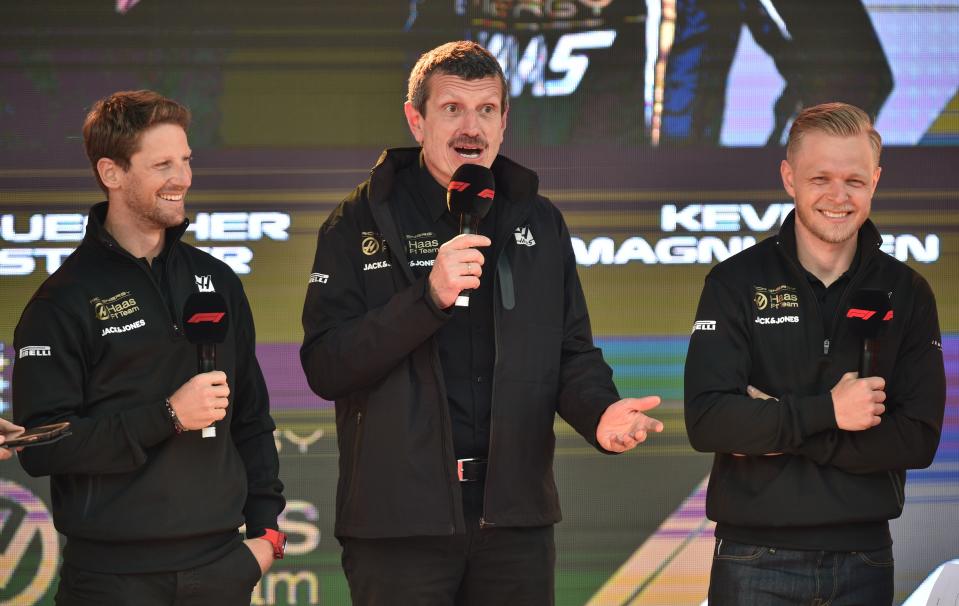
{"x": 487, "y": 193}
{"x": 458, "y": 186}
{"x": 213, "y": 317}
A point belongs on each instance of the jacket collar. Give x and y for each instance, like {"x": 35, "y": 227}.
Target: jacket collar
{"x": 98, "y": 235}
{"x": 517, "y": 183}
{"x": 867, "y": 245}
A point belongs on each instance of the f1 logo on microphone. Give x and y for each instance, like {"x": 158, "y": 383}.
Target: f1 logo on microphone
{"x": 212, "y": 317}
{"x": 487, "y": 193}
{"x": 865, "y": 314}
{"x": 458, "y": 186}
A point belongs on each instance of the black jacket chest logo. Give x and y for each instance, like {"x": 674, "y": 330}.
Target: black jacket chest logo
{"x": 778, "y": 297}
{"x": 371, "y": 243}
{"x": 115, "y": 307}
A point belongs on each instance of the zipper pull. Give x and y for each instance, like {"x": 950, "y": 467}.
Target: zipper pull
{"x": 359, "y": 417}
{"x": 825, "y": 347}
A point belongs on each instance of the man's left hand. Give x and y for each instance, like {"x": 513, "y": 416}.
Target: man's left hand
{"x": 624, "y": 425}
{"x": 262, "y": 551}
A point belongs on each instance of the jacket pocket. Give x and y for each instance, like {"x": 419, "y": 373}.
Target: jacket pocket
{"x": 897, "y": 488}
{"x": 355, "y": 458}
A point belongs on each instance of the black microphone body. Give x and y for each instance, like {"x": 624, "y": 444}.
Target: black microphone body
{"x": 205, "y": 324}
{"x": 869, "y": 357}
{"x": 868, "y": 314}
{"x": 469, "y": 197}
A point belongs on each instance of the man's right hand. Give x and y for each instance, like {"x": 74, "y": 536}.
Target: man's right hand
{"x": 457, "y": 267}
{"x": 858, "y": 402}
{"x": 202, "y": 400}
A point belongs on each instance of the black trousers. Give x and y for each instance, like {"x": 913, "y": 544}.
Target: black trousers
{"x": 484, "y": 567}
{"x": 228, "y": 581}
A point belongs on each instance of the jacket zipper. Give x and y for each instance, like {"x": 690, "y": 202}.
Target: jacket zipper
{"x": 354, "y": 465}
{"x": 156, "y": 287}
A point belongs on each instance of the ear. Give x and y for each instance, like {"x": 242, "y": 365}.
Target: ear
{"x": 786, "y": 172}
{"x": 875, "y": 178}
{"x": 415, "y": 121}
{"x": 110, "y": 173}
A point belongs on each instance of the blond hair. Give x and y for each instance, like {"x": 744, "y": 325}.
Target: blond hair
{"x": 837, "y": 119}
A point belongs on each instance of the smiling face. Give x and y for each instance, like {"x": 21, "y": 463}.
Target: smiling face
{"x": 153, "y": 188}
{"x": 463, "y": 121}
{"x": 832, "y": 180}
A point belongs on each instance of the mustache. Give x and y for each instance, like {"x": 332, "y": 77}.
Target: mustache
{"x": 467, "y": 141}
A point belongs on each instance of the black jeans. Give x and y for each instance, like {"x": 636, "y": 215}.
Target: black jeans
{"x": 228, "y": 581}
{"x": 483, "y": 567}
{"x": 747, "y": 575}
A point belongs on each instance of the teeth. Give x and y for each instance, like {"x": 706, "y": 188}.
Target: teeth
{"x": 171, "y": 197}
{"x": 834, "y": 214}
{"x": 470, "y": 154}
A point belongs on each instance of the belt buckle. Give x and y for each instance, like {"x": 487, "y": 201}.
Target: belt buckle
{"x": 459, "y": 468}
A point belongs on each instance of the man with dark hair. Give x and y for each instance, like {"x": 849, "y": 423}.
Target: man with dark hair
{"x": 445, "y": 414}
{"x": 803, "y": 485}
{"x": 149, "y": 508}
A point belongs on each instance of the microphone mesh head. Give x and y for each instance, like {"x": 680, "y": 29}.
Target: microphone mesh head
{"x": 471, "y": 191}
{"x": 205, "y": 318}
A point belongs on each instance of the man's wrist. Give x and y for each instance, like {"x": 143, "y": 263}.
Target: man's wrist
{"x": 277, "y": 540}
{"x": 177, "y": 425}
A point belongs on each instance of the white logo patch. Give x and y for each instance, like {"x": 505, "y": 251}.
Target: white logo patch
{"x": 316, "y": 278}
{"x": 116, "y": 330}
{"x": 524, "y": 236}
{"x": 704, "y": 325}
{"x": 39, "y": 351}
{"x": 376, "y": 265}
{"x": 779, "y": 320}
{"x": 204, "y": 283}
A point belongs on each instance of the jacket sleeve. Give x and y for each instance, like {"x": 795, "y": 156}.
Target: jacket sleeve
{"x": 908, "y": 435}
{"x": 252, "y": 427}
{"x": 720, "y": 417}
{"x": 586, "y": 382}
{"x": 347, "y": 345}
{"x": 50, "y": 389}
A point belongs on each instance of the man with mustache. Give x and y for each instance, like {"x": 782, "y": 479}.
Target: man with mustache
{"x": 803, "y": 485}
{"x": 445, "y": 414}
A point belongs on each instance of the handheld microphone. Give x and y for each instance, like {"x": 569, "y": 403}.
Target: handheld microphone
{"x": 205, "y": 324}
{"x": 868, "y": 314}
{"x": 469, "y": 197}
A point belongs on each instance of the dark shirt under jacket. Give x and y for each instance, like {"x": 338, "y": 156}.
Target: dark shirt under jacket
{"x": 830, "y": 296}
{"x": 466, "y": 341}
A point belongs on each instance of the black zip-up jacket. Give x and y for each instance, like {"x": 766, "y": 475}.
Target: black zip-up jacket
{"x": 130, "y": 494}
{"x": 370, "y": 345}
{"x": 759, "y": 324}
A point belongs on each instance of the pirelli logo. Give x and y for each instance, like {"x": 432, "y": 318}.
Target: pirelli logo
{"x": 707, "y": 325}
{"x": 35, "y": 351}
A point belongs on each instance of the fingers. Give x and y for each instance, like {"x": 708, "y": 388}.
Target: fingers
{"x": 463, "y": 241}
{"x": 642, "y": 404}
{"x": 757, "y": 394}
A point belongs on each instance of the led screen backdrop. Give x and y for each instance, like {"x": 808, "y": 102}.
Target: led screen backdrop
{"x": 656, "y": 128}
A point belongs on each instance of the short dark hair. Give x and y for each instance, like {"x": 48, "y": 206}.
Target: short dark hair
{"x": 836, "y": 119}
{"x": 113, "y": 127}
{"x": 464, "y": 59}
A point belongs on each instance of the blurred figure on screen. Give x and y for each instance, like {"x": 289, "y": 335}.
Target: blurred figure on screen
{"x": 445, "y": 413}
{"x": 8, "y": 431}
{"x": 149, "y": 508}
{"x": 824, "y": 50}
{"x": 811, "y": 452}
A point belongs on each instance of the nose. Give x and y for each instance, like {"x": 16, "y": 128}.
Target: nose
{"x": 183, "y": 176}
{"x": 470, "y": 124}
{"x": 837, "y": 191}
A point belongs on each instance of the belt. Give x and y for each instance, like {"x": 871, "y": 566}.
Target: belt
{"x": 471, "y": 470}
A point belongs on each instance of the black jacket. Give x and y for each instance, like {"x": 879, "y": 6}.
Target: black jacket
{"x": 369, "y": 345}
{"x": 759, "y": 323}
{"x": 129, "y": 493}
